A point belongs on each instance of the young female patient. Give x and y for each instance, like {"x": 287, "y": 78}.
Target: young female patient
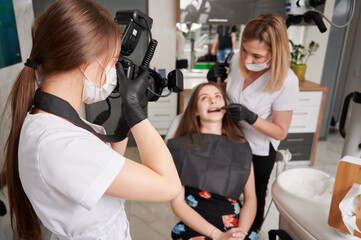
{"x": 214, "y": 163}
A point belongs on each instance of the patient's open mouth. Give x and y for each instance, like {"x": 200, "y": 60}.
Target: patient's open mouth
{"x": 214, "y": 110}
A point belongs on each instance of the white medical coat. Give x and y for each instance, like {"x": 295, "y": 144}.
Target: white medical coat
{"x": 65, "y": 171}
{"x": 261, "y": 102}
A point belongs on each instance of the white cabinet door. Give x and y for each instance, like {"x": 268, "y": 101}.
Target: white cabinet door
{"x": 305, "y": 117}
{"x": 162, "y": 112}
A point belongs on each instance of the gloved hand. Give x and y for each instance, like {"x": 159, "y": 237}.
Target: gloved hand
{"x": 133, "y": 94}
{"x": 239, "y": 112}
{"x": 218, "y": 70}
{"x": 122, "y": 129}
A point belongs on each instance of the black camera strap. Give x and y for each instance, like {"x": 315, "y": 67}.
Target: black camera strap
{"x": 103, "y": 116}
{"x": 61, "y": 108}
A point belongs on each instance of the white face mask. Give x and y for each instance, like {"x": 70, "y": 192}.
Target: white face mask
{"x": 258, "y": 67}
{"x": 93, "y": 92}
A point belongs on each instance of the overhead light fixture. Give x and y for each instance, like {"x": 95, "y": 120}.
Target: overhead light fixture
{"x": 218, "y": 20}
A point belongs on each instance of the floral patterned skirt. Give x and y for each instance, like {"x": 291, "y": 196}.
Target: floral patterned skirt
{"x": 220, "y": 211}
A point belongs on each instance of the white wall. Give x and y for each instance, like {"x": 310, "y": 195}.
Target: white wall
{"x": 163, "y": 13}
{"x": 316, "y": 62}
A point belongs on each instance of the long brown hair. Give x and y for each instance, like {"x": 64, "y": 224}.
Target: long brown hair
{"x": 68, "y": 34}
{"x": 190, "y": 122}
{"x": 270, "y": 29}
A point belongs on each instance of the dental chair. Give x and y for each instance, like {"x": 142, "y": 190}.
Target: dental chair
{"x": 173, "y": 127}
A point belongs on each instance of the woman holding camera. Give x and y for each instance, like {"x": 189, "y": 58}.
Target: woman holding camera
{"x": 264, "y": 92}
{"x": 59, "y": 174}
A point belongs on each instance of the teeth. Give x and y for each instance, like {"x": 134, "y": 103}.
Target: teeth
{"x": 214, "y": 110}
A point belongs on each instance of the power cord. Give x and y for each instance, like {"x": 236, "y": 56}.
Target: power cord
{"x": 338, "y": 26}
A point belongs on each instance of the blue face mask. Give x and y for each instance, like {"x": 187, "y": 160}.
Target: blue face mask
{"x": 258, "y": 67}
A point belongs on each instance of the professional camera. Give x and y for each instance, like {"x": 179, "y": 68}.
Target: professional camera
{"x": 132, "y": 24}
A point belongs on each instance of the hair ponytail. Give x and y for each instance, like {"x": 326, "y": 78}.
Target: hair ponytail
{"x": 22, "y": 214}
{"x": 66, "y": 35}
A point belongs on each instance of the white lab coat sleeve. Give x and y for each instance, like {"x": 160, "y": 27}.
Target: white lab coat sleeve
{"x": 78, "y": 165}
{"x": 287, "y": 97}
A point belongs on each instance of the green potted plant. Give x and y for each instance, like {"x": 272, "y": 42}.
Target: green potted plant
{"x": 299, "y": 57}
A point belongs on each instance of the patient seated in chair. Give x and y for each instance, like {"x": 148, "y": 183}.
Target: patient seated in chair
{"x": 214, "y": 163}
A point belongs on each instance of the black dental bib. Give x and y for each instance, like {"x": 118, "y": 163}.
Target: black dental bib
{"x": 61, "y": 108}
{"x": 220, "y": 165}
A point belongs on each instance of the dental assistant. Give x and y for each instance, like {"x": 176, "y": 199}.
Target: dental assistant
{"x": 264, "y": 92}
{"x": 61, "y": 175}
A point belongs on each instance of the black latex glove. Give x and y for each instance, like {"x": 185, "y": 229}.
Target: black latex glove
{"x": 133, "y": 94}
{"x": 218, "y": 70}
{"x": 2, "y": 209}
{"x": 239, "y": 112}
{"x": 122, "y": 129}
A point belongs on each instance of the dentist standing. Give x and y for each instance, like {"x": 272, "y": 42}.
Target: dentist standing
{"x": 264, "y": 92}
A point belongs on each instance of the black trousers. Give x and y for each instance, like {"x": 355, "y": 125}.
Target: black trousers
{"x": 263, "y": 166}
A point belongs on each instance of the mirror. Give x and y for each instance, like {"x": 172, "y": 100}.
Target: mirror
{"x": 226, "y": 11}
{"x": 198, "y": 20}
{"x": 199, "y": 46}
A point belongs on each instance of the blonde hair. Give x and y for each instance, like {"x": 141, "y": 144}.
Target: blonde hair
{"x": 270, "y": 29}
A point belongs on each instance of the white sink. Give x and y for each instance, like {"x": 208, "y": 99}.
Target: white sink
{"x": 303, "y": 198}
{"x": 307, "y": 184}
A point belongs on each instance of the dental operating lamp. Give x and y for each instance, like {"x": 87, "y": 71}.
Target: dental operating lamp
{"x": 298, "y": 10}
